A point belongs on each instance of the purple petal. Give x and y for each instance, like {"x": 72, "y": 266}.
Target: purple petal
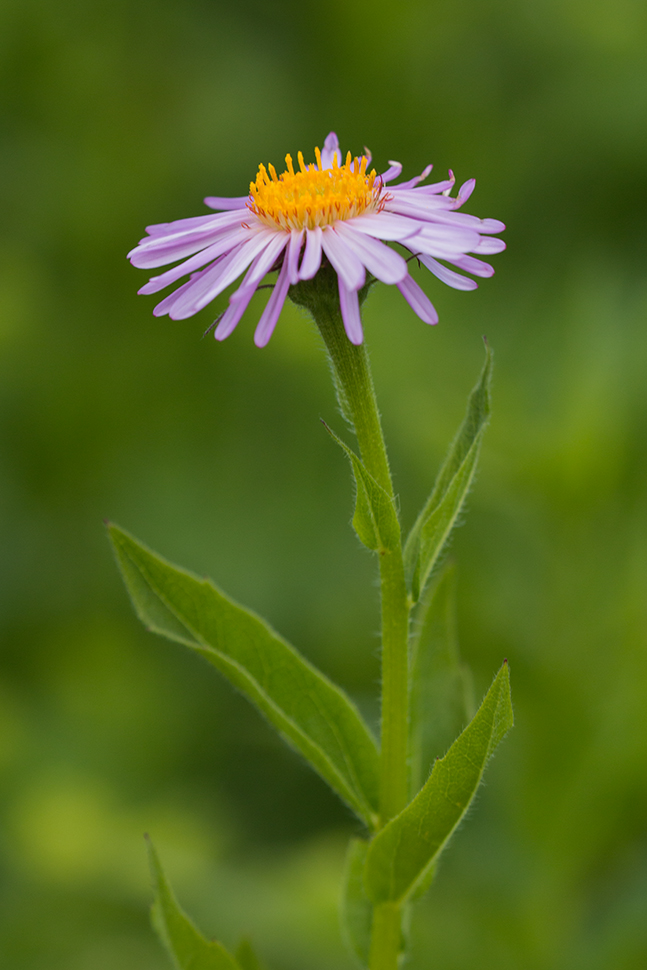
{"x": 448, "y": 276}
{"x": 414, "y": 181}
{"x": 393, "y": 172}
{"x": 181, "y": 227}
{"x": 312, "y": 256}
{"x": 444, "y": 242}
{"x": 438, "y": 189}
{"x": 425, "y": 201}
{"x": 331, "y": 146}
{"x": 294, "y": 251}
{"x": 475, "y": 266}
{"x": 167, "y": 303}
{"x": 349, "y": 306}
{"x": 488, "y": 246}
{"x": 218, "y": 202}
{"x": 216, "y": 279}
{"x": 159, "y": 250}
{"x": 386, "y": 225}
{"x": 232, "y": 315}
{"x": 431, "y": 214}
{"x": 385, "y": 264}
{"x": 276, "y": 243}
{"x": 164, "y": 228}
{"x": 273, "y": 308}
{"x": 227, "y": 241}
{"x": 418, "y": 300}
{"x": 465, "y": 191}
{"x": 346, "y": 264}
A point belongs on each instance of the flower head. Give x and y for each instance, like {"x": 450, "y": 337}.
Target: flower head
{"x": 332, "y": 210}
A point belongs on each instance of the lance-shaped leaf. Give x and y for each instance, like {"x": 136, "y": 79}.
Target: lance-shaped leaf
{"x": 246, "y": 956}
{"x": 187, "y": 947}
{"x": 442, "y": 510}
{"x": 375, "y": 519}
{"x": 400, "y": 855}
{"x": 442, "y": 700}
{"x": 308, "y": 710}
{"x": 356, "y": 909}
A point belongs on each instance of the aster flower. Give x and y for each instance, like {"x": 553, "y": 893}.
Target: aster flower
{"x": 329, "y": 210}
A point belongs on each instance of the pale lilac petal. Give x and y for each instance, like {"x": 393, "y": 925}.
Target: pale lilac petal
{"x": 424, "y": 201}
{"x": 446, "y": 275}
{"x": 349, "y": 306}
{"x": 488, "y": 246}
{"x": 276, "y": 243}
{"x": 312, "y": 256}
{"x": 164, "y": 228}
{"x": 418, "y": 300}
{"x": 330, "y": 148}
{"x": 427, "y": 211}
{"x": 385, "y": 225}
{"x": 385, "y": 264}
{"x": 464, "y": 192}
{"x": 414, "y": 181}
{"x": 217, "y": 278}
{"x": 393, "y": 172}
{"x": 226, "y": 242}
{"x": 435, "y": 188}
{"x": 346, "y": 264}
{"x": 444, "y": 242}
{"x": 232, "y": 315}
{"x": 218, "y": 202}
{"x": 294, "y": 251}
{"x": 475, "y": 266}
{"x": 183, "y": 227}
{"x": 159, "y": 250}
{"x": 166, "y": 304}
{"x": 273, "y": 308}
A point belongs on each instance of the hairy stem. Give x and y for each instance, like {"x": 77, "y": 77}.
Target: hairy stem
{"x": 356, "y": 394}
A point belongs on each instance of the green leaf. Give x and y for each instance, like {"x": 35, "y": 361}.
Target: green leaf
{"x": 308, "y": 710}
{"x": 188, "y": 949}
{"x": 441, "y": 512}
{"x": 442, "y": 700}
{"x": 375, "y": 519}
{"x": 356, "y": 909}
{"x": 246, "y": 956}
{"x": 400, "y": 855}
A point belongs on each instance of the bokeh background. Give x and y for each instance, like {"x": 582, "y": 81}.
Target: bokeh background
{"x": 119, "y": 114}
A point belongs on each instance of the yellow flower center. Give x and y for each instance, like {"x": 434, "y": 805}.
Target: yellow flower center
{"x": 314, "y": 196}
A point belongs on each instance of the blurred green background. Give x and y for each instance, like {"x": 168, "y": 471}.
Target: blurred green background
{"x": 117, "y": 115}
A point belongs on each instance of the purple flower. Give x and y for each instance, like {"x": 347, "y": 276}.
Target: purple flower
{"x": 340, "y": 212}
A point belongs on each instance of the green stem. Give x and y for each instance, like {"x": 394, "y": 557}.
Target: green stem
{"x": 356, "y": 394}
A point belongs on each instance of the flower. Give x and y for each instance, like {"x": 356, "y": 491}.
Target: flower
{"x": 329, "y": 210}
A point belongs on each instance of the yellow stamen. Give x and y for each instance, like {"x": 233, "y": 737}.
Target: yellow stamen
{"x": 314, "y": 196}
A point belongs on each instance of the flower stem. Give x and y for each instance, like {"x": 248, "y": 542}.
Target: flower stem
{"x": 357, "y": 399}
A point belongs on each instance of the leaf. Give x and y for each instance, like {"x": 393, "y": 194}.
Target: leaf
{"x": 441, "y": 686}
{"x": 356, "y": 909}
{"x": 400, "y": 855}
{"x": 188, "y": 949}
{"x": 246, "y": 956}
{"x": 308, "y": 710}
{"x": 375, "y": 519}
{"x": 441, "y": 512}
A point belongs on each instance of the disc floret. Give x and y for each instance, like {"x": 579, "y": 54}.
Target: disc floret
{"x": 314, "y": 195}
